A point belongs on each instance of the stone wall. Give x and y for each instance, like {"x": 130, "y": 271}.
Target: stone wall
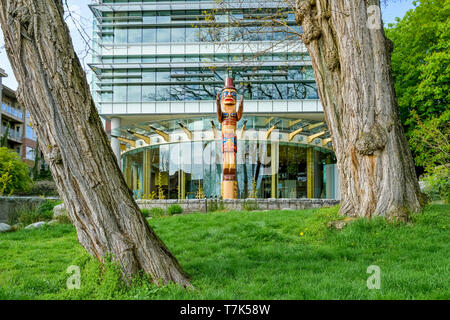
{"x": 193, "y": 205}
{"x": 9, "y": 204}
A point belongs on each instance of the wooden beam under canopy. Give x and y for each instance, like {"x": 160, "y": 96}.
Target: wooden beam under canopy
{"x": 214, "y": 129}
{"x": 164, "y": 135}
{"x": 315, "y": 125}
{"x": 326, "y": 141}
{"x": 241, "y": 133}
{"x": 294, "y": 133}
{"x": 140, "y": 136}
{"x": 186, "y": 130}
{"x": 269, "y": 132}
{"x": 314, "y": 136}
{"x": 293, "y": 122}
{"x": 125, "y": 140}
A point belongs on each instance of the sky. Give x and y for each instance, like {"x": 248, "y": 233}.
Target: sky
{"x": 80, "y": 26}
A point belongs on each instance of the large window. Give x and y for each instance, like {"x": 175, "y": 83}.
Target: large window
{"x": 178, "y": 35}
{"x": 149, "y": 35}
{"x": 148, "y": 93}
{"x": 134, "y": 93}
{"x": 134, "y": 35}
{"x": 30, "y": 133}
{"x": 120, "y": 93}
{"x": 134, "y": 85}
{"x": 163, "y": 35}
{"x": 266, "y": 169}
{"x": 120, "y": 35}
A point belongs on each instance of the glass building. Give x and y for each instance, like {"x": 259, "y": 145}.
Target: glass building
{"x": 158, "y": 66}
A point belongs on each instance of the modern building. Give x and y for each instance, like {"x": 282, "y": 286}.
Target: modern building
{"x": 158, "y": 66}
{"x": 15, "y": 120}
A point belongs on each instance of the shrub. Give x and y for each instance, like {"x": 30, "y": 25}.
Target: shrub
{"x": 43, "y": 187}
{"x": 27, "y": 215}
{"x": 145, "y": 212}
{"x": 46, "y": 208}
{"x": 13, "y": 173}
{"x": 174, "y": 209}
{"x": 437, "y": 184}
{"x": 63, "y": 219}
{"x": 13, "y": 216}
{"x": 157, "y": 212}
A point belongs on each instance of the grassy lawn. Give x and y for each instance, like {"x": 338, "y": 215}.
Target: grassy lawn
{"x": 248, "y": 255}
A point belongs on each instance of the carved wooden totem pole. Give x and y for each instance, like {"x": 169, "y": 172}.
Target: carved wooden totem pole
{"x": 229, "y": 118}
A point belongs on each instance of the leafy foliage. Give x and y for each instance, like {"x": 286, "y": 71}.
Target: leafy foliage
{"x": 431, "y": 140}
{"x": 156, "y": 212}
{"x": 421, "y": 68}
{"x": 437, "y": 184}
{"x": 13, "y": 172}
{"x": 4, "y": 138}
{"x": 44, "y": 188}
{"x": 26, "y": 215}
{"x": 174, "y": 209}
{"x": 145, "y": 212}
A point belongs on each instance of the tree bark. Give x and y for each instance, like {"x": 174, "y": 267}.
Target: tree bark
{"x": 53, "y": 87}
{"x": 352, "y": 69}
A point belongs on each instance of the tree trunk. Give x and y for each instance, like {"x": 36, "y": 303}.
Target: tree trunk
{"x": 53, "y": 87}
{"x": 352, "y": 67}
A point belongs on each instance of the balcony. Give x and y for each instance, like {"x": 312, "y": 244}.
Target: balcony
{"x": 12, "y": 135}
{"x": 11, "y": 112}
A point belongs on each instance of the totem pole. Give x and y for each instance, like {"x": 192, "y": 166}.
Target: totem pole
{"x": 229, "y": 118}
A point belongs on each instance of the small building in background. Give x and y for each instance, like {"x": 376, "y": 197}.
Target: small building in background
{"x": 17, "y": 121}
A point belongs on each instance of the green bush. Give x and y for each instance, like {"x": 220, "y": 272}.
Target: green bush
{"x": 13, "y": 173}
{"x": 63, "y": 219}
{"x": 174, "y": 209}
{"x": 157, "y": 212}
{"x": 437, "y": 184}
{"x": 44, "y": 188}
{"x": 26, "y": 215}
{"x": 46, "y": 208}
{"x": 145, "y": 212}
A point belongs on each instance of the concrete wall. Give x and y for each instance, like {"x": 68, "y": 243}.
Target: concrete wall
{"x": 9, "y": 204}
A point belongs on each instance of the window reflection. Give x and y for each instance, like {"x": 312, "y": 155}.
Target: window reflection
{"x": 163, "y": 35}
{"x": 120, "y": 94}
{"x": 178, "y": 170}
{"x": 178, "y": 35}
{"x": 149, "y": 35}
{"x": 203, "y": 84}
{"x": 134, "y": 35}
{"x": 148, "y": 93}
{"x": 120, "y": 35}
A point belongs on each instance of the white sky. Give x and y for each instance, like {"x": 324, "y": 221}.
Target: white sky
{"x": 82, "y": 23}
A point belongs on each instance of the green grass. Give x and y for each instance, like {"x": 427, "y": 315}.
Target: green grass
{"x": 248, "y": 255}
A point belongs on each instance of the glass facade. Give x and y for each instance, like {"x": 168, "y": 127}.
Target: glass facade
{"x": 168, "y": 53}
{"x": 172, "y": 57}
{"x": 191, "y": 167}
{"x": 182, "y": 169}
{"x": 136, "y": 85}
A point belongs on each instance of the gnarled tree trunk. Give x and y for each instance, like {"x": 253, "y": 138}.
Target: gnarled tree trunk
{"x": 53, "y": 87}
{"x": 351, "y": 59}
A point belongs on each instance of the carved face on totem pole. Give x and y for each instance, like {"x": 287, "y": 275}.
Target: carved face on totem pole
{"x": 228, "y": 117}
